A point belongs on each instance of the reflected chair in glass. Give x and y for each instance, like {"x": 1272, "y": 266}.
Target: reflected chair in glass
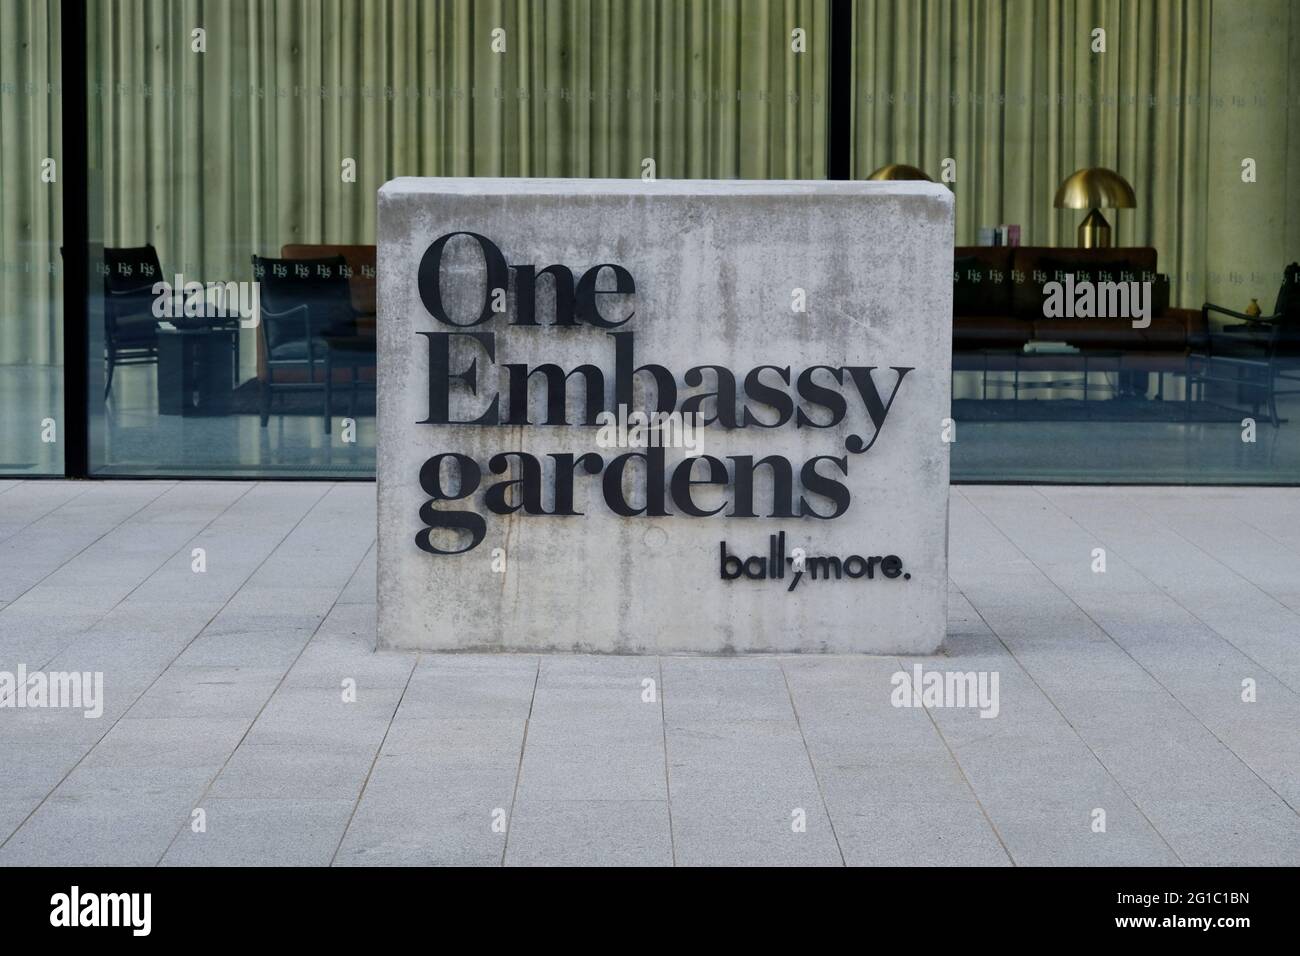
{"x": 130, "y": 326}
{"x": 302, "y": 301}
{"x": 354, "y": 353}
{"x": 1259, "y": 357}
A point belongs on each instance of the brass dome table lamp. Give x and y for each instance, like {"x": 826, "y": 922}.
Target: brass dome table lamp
{"x": 898, "y": 171}
{"x": 1094, "y": 189}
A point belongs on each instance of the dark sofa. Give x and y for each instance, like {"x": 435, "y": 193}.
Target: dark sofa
{"x": 998, "y": 301}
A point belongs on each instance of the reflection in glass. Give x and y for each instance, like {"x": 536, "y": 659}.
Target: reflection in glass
{"x": 245, "y": 142}
{"x": 1022, "y": 113}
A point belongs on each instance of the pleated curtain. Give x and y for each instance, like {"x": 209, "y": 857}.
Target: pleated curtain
{"x": 213, "y": 156}
{"x": 30, "y": 206}
{"x": 1012, "y": 93}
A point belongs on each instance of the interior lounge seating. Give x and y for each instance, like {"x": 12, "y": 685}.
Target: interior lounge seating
{"x": 359, "y": 261}
{"x": 304, "y": 302}
{"x": 350, "y": 356}
{"x": 998, "y": 300}
{"x": 1257, "y": 355}
{"x": 130, "y": 328}
{"x": 998, "y": 314}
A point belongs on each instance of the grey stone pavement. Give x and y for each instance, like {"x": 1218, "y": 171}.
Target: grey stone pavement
{"x": 224, "y": 693}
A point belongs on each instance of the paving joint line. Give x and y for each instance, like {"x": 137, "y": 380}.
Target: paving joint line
{"x": 1164, "y": 590}
{"x": 1161, "y": 684}
{"x": 166, "y": 488}
{"x": 1024, "y": 669}
{"x": 73, "y": 638}
{"x": 943, "y": 739}
{"x": 392, "y": 718}
{"x": 41, "y": 517}
{"x": 519, "y": 769}
{"x": 812, "y": 765}
{"x": 668, "y": 786}
{"x": 1070, "y": 724}
{"x": 280, "y": 683}
{"x": 72, "y": 769}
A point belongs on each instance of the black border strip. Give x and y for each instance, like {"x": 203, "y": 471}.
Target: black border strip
{"x": 228, "y": 907}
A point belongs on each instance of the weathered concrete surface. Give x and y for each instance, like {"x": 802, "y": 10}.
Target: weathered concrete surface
{"x": 716, "y": 267}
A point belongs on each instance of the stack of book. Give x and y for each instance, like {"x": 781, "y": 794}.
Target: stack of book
{"x": 1003, "y": 235}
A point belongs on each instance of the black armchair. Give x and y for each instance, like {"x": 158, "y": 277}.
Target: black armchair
{"x": 302, "y": 301}
{"x": 130, "y": 327}
{"x": 1260, "y": 355}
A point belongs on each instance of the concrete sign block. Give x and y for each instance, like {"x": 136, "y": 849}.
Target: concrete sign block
{"x": 682, "y": 416}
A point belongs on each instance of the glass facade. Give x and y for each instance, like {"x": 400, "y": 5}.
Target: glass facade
{"x": 235, "y": 150}
{"x": 1153, "y": 117}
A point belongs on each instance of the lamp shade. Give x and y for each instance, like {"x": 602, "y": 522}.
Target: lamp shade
{"x": 899, "y": 171}
{"x": 1095, "y": 188}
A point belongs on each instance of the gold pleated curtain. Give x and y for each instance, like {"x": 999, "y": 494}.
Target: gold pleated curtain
{"x": 1012, "y": 92}
{"x": 212, "y": 156}
{"x": 31, "y": 214}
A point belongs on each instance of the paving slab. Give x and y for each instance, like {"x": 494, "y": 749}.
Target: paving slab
{"x": 590, "y": 833}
